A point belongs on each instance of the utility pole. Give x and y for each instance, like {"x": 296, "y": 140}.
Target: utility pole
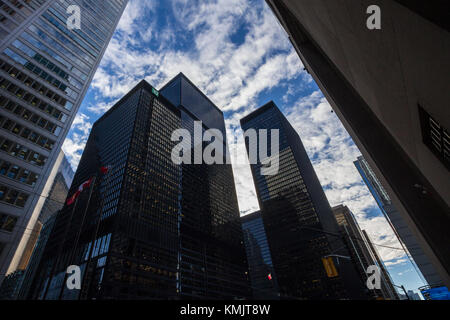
{"x": 404, "y": 290}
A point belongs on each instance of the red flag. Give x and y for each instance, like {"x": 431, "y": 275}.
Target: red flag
{"x": 104, "y": 169}
{"x": 83, "y": 186}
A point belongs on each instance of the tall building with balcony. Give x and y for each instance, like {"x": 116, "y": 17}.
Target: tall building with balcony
{"x": 45, "y": 71}
{"x": 148, "y": 228}
{"x": 300, "y": 226}
{"x": 389, "y": 87}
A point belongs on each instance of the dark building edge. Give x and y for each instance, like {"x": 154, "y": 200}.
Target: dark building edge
{"x": 143, "y": 84}
{"x": 182, "y": 75}
{"x": 396, "y": 167}
{"x": 435, "y": 11}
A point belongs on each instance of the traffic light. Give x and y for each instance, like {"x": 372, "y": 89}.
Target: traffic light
{"x": 329, "y": 266}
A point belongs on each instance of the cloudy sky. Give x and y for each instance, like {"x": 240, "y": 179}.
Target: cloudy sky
{"x": 236, "y": 52}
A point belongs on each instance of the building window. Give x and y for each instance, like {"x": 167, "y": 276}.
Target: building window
{"x": 13, "y": 197}
{"x": 435, "y": 137}
{"x": 17, "y": 173}
{"x": 7, "y": 222}
{"x": 26, "y": 133}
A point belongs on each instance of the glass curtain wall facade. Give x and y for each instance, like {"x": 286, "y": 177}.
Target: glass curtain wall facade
{"x": 406, "y": 238}
{"x": 386, "y": 278}
{"x": 213, "y": 263}
{"x": 148, "y": 228}
{"x": 300, "y": 226}
{"x": 123, "y": 232}
{"x": 262, "y": 275}
{"x": 45, "y": 70}
{"x": 36, "y": 257}
{"x": 361, "y": 252}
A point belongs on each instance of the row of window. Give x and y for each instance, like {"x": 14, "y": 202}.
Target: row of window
{"x": 14, "y": 7}
{"x": 47, "y": 63}
{"x": 29, "y": 116}
{"x": 12, "y": 196}
{"x": 35, "y": 102}
{"x": 22, "y": 94}
{"x": 93, "y": 27}
{"x": 17, "y": 173}
{"x": 15, "y": 73}
{"x": 64, "y": 40}
{"x": 58, "y": 47}
{"x": 435, "y": 136}
{"x": 101, "y": 246}
{"x": 7, "y": 222}
{"x": 26, "y": 133}
{"x": 62, "y": 27}
{"x": 13, "y": 16}
{"x": 69, "y": 64}
{"x": 108, "y": 11}
{"x": 21, "y": 152}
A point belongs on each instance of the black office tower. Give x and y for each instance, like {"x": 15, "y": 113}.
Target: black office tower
{"x": 301, "y": 229}
{"x": 123, "y": 228}
{"x": 213, "y": 263}
{"x": 131, "y": 229}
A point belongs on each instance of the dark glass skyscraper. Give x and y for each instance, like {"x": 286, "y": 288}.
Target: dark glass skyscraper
{"x": 148, "y": 228}
{"x": 262, "y": 276}
{"x": 300, "y": 226}
{"x": 212, "y": 256}
{"x": 122, "y": 231}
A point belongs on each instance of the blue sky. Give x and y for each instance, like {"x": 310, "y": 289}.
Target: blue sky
{"x": 236, "y": 53}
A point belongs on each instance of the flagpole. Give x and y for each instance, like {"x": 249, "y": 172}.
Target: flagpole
{"x": 93, "y": 241}
{"x": 60, "y": 248}
{"x": 74, "y": 249}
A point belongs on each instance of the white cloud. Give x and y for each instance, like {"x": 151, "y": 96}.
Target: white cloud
{"x": 395, "y": 262}
{"x": 332, "y": 152}
{"x": 232, "y": 75}
{"x": 100, "y": 107}
{"x": 74, "y": 145}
